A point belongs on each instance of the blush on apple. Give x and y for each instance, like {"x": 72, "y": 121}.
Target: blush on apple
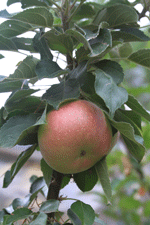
{"x": 75, "y": 137}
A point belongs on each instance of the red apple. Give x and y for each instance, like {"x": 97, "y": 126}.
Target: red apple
{"x": 76, "y": 136}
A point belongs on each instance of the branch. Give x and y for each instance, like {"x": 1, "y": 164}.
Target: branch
{"x": 54, "y": 189}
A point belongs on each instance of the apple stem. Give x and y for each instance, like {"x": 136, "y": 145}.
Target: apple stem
{"x": 54, "y": 188}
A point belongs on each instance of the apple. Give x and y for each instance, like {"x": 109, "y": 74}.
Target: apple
{"x": 75, "y": 137}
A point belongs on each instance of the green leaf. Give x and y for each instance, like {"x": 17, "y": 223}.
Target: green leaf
{"x": 18, "y": 214}
{"x": 7, "y": 85}
{"x": 136, "y": 149}
{"x": 113, "y": 96}
{"x": 79, "y": 37}
{"x": 29, "y": 3}
{"x": 48, "y": 69}
{"x": 146, "y": 135}
{"x": 128, "y": 203}
{"x": 141, "y": 57}
{"x": 49, "y": 206}
{"x": 100, "y": 43}
{"x": 59, "y": 42}
{"x": 125, "y": 50}
{"x": 1, "y": 57}
{"x": 10, "y": 2}
{"x": 130, "y": 117}
{"x": 18, "y": 202}
{"x": 37, "y": 186}
{"x": 137, "y": 107}
{"x": 24, "y": 43}
{"x": 81, "y": 213}
{"x": 4, "y": 14}
{"x": 39, "y": 16}
{"x": 26, "y": 69}
{"x": 16, "y": 128}
{"x": 57, "y": 93}
{"x": 47, "y": 171}
{"x": 7, "y": 44}
{"x": 41, "y": 219}
{"x": 11, "y": 28}
{"x": 85, "y": 11}
{"x": 86, "y": 180}
{"x": 123, "y": 15}
{"x": 102, "y": 173}
{"x": 111, "y": 68}
{"x": 30, "y": 104}
{"x": 21, "y": 160}
{"x": 129, "y": 35}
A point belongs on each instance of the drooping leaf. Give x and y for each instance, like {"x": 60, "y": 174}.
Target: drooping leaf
{"x": 113, "y": 69}
{"x": 113, "y": 96}
{"x": 137, "y": 107}
{"x": 47, "y": 171}
{"x": 129, "y": 34}
{"x": 86, "y": 180}
{"x": 26, "y": 69}
{"x": 81, "y": 213}
{"x": 39, "y": 16}
{"x": 141, "y": 57}
{"x": 123, "y": 15}
{"x": 100, "y": 43}
{"x": 102, "y": 173}
{"x": 21, "y": 160}
{"x": 12, "y": 28}
{"x": 7, "y": 44}
{"x": 40, "y": 219}
{"x": 49, "y": 206}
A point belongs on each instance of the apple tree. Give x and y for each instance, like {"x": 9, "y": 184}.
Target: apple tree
{"x": 96, "y": 41}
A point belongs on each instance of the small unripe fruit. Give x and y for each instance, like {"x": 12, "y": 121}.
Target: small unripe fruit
{"x": 76, "y": 136}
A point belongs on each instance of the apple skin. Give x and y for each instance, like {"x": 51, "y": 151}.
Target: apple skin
{"x": 75, "y": 137}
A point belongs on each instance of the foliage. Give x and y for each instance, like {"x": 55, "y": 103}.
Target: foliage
{"x": 100, "y": 41}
